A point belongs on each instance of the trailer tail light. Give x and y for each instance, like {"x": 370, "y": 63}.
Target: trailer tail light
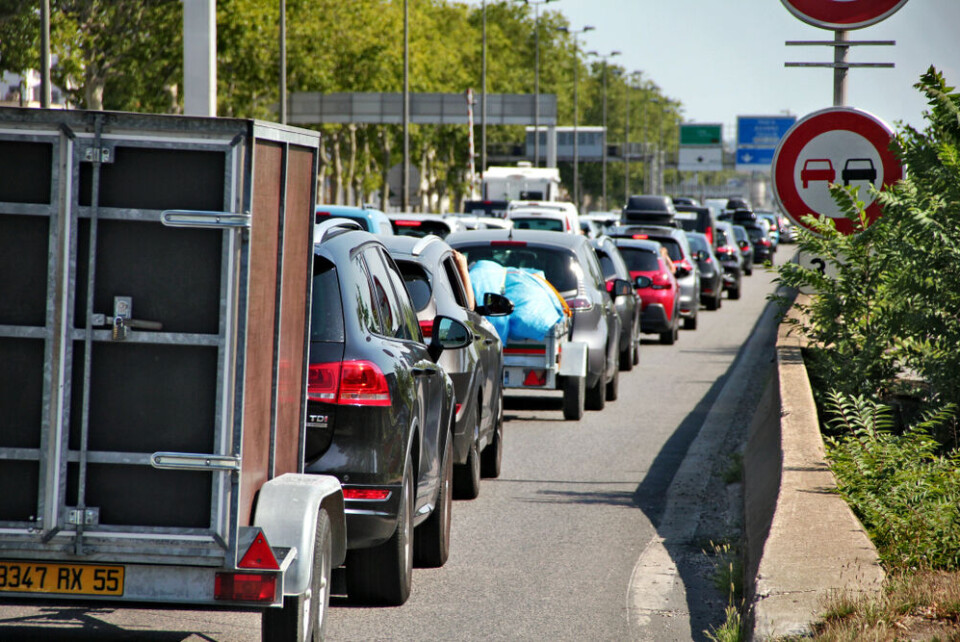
{"x": 426, "y": 327}
{"x": 368, "y": 494}
{"x": 536, "y": 378}
{"x": 362, "y": 383}
{"x": 245, "y": 587}
{"x": 322, "y": 380}
{"x": 353, "y": 383}
{"x": 540, "y": 350}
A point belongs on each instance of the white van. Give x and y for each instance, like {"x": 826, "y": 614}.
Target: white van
{"x": 555, "y": 216}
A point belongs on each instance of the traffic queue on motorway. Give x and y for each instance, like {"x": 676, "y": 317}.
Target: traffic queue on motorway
{"x": 422, "y": 323}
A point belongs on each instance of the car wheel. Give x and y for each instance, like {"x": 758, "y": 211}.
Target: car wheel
{"x": 669, "y": 337}
{"x": 690, "y": 323}
{"x": 574, "y": 393}
{"x": 719, "y": 300}
{"x": 613, "y": 387}
{"x": 735, "y": 293}
{"x": 492, "y": 455}
{"x": 431, "y": 540}
{"x": 636, "y": 351}
{"x": 466, "y": 477}
{"x": 748, "y": 271}
{"x": 596, "y": 397}
{"x": 304, "y": 617}
{"x": 383, "y": 574}
{"x": 626, "y": 358}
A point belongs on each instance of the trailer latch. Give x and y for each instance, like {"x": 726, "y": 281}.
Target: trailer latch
{"x": 86, "y": 516}
{"x": 121, "y": 322}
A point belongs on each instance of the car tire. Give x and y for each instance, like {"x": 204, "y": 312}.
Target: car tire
{"x": 712, "y": 303}
{"x": 303, "y": 618}
{"x": 596, "y": 397}
{"x": 431, "y": 540}
{"x": 384, "y": 574}
{"x": 574, "y": 394}
{"x": 719, "y": 300}
{"x": 669, "y": 337}
{"x": 613, "y": 386}
{"x": 636, "y": 351}
{"x": 749, "y": 271}
{"x": 734, "y": 293}
{"x": 690, "y": 323}
{"x": 492, "y": 455}
{"x": 466, "y": 477}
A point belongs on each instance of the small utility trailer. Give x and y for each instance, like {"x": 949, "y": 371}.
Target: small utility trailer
{"x": 154, "y": 318}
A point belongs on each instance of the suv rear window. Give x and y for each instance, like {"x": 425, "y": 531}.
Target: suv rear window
{"x": 560, "y": 267}
{"x": 640, "y": 260}
{"x": 320, "y": 217}
{"x": 420, "y": 228}
{"x": 549, "y": 224}
{"x": 326, "y": 317}
{"x": 418, "y": 285}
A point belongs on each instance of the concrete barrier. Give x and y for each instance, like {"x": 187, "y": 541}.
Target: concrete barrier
{"x": 803, "y": 543}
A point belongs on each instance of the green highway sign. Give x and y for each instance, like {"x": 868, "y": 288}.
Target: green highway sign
{"x": 701, "y": 135}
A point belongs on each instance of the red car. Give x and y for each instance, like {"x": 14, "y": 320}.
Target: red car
{"x": 656, "y": 285}
{"x": 817, "y": 169}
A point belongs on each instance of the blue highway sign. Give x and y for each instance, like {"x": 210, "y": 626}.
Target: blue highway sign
{"x": 757, "y": 139}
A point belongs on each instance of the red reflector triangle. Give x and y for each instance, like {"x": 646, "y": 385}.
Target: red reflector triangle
{"x": 535, "y": 378}
{"x": 259, "y": 555}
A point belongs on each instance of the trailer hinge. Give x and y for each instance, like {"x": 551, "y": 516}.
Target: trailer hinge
{"x": 85, "y": 516}
{"x": 97, "y": 155}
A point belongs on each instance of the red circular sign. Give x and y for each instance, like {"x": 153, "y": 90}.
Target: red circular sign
{"x": 842, "y": 14}
{"x": 839, "y": 145}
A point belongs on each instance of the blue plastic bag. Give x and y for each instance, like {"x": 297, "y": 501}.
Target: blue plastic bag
{"x": 535, "y": 306}
{"x": 490, "y": 276}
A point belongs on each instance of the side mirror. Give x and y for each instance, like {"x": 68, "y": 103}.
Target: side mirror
{"x": 681, "y": 271}
{"x": 448, "y": 334}
{"x": 495, "y": 305}
{"x": 622, "y": 287}
{"x": 744, "y": 245}
{"x": 642, "y": 282}
{"x": 701, "y": 255}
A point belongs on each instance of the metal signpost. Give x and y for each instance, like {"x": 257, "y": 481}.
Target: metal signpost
{"x": 837, "y": 145}
{"x": 757, "y": 140}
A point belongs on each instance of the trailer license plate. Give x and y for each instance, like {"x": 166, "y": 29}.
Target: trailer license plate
{"x": 72, "y": 579}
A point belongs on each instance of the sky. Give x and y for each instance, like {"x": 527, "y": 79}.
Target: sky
{"x": 725, "y": 58}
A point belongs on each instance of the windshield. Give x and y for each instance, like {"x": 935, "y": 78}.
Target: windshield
{"x": 560, "y": 267}
{"x": 549, "y": 224}
{"x": 640, "y": 260}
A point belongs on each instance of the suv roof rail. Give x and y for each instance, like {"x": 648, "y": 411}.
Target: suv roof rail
{"x": 422, "y": 244}
{"x": 332, "y": 227}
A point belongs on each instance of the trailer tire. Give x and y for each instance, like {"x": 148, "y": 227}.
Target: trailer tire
{"x": 574, "y": 393}
{"x": 303, "y": 617}
{"x": 383, "y": 574}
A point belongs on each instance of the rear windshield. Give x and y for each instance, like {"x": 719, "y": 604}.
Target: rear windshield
{"x": 420, "y": 228}
{"x": 560, "y": 267}
{"x": 549, "y": 224}
{"x": 417, "y": 282}
{"x": 722, "y": 237}
{"x": 673, "y": 247}
{"x": 326, "y": 318}
{"x": 639, "y": 260}
{"x": 756, "y": 233}
{"x": 698, "y": 243}
{"x": 323, "y": 216}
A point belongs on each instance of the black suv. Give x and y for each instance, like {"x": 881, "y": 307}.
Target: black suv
{"x": 380, "y": 412}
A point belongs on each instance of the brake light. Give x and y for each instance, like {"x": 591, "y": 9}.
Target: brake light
{"x": 322, "y": 380}
{"x": 355, "y": 383}
{"x": 765, "y": 242}
{"x": 362, "y": 383}
{"x": 640, "y": 236}
{"x": 685, "y": 265}
{"x": 409, "y": 223}
{"x": 514, "y": 243}
{"x": 660, "y": 281}
{"x": 245, "y": 587}
{"x": 370, "y": 494}
{"x": 709, "y": 234}
{"x": 259, "y": 555}
{"x": 426, "y": 327}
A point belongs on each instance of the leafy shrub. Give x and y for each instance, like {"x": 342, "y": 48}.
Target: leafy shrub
{"x": 906, "y": 494}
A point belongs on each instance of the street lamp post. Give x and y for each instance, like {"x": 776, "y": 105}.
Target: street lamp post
{"x": 405, "y": 172}
{"x": 603, "y": 158}
{"x": 483, "y": 95}
{"x": 536, "y": 76}
{"x": 626, "y": 137}
{"x": 576, "y": 107}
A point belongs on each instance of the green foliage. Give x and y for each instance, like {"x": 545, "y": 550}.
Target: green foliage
{"x": 906, "y": 494}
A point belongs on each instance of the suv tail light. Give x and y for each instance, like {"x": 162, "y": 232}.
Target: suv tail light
{"x": 426, "y": 327}
{"x": 660, "y": 281}
{"x": 355, "y": 383}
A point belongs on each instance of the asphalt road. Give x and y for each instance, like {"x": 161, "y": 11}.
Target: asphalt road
{"x": 595, "y": 530}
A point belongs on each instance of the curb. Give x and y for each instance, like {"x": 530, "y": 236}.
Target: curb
{"x": 803, "y": 542}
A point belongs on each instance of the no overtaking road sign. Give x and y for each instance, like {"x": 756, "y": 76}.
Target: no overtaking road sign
{"x": 842, "y": 14}
{"x": 839, "y": 145}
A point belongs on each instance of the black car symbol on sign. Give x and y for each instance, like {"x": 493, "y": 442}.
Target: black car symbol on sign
{"x": 858, "y": 169}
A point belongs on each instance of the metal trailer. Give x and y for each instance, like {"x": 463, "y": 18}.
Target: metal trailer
{"x": 155, "y": 274}
{"x": 555, "y": 363}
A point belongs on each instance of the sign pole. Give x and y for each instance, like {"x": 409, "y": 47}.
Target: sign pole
{"x": 840, "y": 50}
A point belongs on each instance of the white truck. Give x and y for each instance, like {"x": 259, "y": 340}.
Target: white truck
{"x": 154, "y": 321}
{"x": 521, "y": 183}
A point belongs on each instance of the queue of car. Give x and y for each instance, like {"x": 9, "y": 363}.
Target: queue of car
{"x": 413, "y": 345}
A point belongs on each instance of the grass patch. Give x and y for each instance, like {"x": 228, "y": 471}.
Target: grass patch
{"x": 727, "y": 578}
{"x": 734, "y": 471}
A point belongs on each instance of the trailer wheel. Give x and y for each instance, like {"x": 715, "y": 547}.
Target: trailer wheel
{"x": 303, "y": 618}
{"x": 383, "y": 574}
{"x": 574, "y": 394}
